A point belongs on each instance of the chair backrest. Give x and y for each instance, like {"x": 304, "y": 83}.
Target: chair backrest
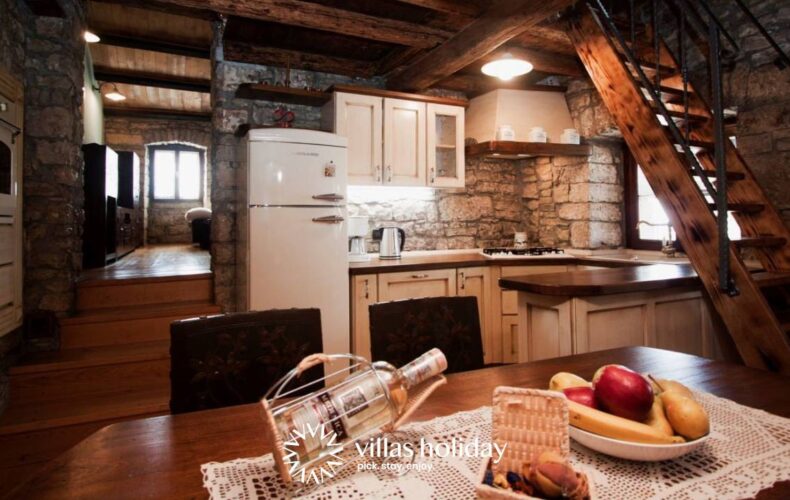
{"x": 402, "y": 330}
{"x": 232, "y": 359}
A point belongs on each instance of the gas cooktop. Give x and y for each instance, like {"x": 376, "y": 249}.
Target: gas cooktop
{"x": 513, "y": 252}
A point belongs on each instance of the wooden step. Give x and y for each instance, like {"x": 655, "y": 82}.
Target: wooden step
{"x": 760, "y": 242}
{"x": 96, "y": 381}
{"x": 70, "y": 359}
{"x": 744, "y": 208}
{"x": 649, "y": 67}
{"x": 731, "y": 176}
{"x": 105, "y": 294}
{"x": 26, "y": 417}
{"x": 676, "y": 111}
{"x": 128, "y": 325}
{"x": 767, "y": 279}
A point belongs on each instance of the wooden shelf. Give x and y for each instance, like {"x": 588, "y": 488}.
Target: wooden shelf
{"x": 509, "y": 150}
{"x": 286, "y": 95}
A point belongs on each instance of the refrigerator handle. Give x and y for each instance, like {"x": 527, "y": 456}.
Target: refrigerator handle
{"x": 329, "y": 219}
{"x": 328, "y": 197}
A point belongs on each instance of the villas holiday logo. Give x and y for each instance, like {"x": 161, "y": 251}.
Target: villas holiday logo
{"x": 383, "y": 453}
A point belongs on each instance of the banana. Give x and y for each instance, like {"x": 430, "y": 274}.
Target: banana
{"x": 564, "y": 380}
{"x": 605, "y": 424}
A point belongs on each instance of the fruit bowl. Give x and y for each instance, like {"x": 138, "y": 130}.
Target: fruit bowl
{"x": 634, "y": 451}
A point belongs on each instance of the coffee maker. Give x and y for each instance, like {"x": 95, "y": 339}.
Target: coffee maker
{"x": 357, "y": 230}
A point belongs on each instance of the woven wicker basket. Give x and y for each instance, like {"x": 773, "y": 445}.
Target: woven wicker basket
{"x": 529, "y": 421}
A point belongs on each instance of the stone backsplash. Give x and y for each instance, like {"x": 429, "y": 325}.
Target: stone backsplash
{"x": 486, "y": 213}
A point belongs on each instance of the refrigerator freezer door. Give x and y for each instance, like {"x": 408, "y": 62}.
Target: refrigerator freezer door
{"x": 296, "y": 174}
{"x": 298, "y": 258}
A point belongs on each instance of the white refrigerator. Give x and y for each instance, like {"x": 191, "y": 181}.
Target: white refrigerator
{"x": 296, "y": 238}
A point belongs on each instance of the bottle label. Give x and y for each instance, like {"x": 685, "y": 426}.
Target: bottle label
{"x": 426, "y": 366}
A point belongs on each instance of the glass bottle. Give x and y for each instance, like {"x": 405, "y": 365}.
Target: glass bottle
{"x": 363, "y": 403}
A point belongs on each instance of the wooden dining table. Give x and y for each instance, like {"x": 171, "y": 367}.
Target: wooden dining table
{"x": 160, "y": 457}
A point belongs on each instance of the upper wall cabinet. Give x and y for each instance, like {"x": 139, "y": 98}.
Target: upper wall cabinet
{"x": 445, "y": 146}
{"x": 399, "y": 142}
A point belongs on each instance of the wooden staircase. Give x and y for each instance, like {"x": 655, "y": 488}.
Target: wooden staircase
{"x": 114, "y": 365}
{"x": 757, "y": 329}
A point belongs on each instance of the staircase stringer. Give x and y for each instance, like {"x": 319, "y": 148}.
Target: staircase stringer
{"x": 748, "y": 317}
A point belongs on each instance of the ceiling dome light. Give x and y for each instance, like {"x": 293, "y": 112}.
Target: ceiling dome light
{"x": 91, "y": 37}
{"x": 507, "y": 68}
{"x": 114, "y": 95}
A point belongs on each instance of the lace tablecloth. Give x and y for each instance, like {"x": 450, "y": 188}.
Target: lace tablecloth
{"x": 748, "y": 450}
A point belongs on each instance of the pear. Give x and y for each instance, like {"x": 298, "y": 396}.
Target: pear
{"x": 565, "y": 380}
{"x": 657, "y": 418}
{"x": 674, "y": 385}
{"x": 687, "y": 417}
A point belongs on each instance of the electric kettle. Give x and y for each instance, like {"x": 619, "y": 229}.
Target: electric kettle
{"x": 392, "y": 241}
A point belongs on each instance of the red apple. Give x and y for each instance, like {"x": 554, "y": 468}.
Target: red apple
{"x": 582, "y": 395}
{"x": 623, "y": 392}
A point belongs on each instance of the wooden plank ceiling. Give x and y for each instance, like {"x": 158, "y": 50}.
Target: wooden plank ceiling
{"x": 156, "y": 51}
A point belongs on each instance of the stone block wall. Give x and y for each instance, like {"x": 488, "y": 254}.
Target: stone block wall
{"x": 52, "y": 179}
{"x": 164, "y": 222}
{"x": 486, "y": 213}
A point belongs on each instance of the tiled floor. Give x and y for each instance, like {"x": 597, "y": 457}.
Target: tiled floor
{"x": 154, "y": 261}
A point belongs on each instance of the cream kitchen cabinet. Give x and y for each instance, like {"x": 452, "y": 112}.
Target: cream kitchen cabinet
{"x": 398, "y": 142}
{"x": 11, "y": 106}
{"x": 446, "y": 146}
{"x": 364, "y": 292}
{"x": 417, "y": 284}
{"x": 476, "y": 282}
{"x": 404, "y": 143}
{"x": 359, "y": 118}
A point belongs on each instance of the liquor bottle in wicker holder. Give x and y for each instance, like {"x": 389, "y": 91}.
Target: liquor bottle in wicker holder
{"x": 309, "y": 430}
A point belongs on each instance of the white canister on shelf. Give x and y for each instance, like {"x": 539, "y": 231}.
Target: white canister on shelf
{"x": 570, "y": 136}
{"x": 505, "y": 133}
{"x": 537, "y": 134}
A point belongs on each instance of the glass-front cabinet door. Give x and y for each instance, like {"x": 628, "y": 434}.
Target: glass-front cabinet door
{"x": 445, "y": 145}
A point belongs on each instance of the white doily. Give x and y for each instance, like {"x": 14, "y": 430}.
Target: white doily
{"x": 748, "y": 450}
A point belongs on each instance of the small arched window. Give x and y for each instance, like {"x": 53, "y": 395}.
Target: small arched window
{"x": 176, "y": 172}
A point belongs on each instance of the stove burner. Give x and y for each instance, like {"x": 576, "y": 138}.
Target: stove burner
{"x": 522, "y": 251}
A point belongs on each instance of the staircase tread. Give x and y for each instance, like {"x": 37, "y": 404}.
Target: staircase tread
{"x": 731, "y": 176}
{"x": 36, "y": 415}
{"x": 747, "y": 208}
{"x": 83, "y": 357}
{"x": 771, "y": 278}
{"x": 760, "y": 241}
{"x": 140, "y": 311}
{"x": 678, "y": 111}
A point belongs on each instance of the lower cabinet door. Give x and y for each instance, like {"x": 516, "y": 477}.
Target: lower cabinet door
{"x": 475, "y": 282}
{"x": 510, "y": 339}
{"x": 417, "y": 284}
{"x": 364, "y": 292}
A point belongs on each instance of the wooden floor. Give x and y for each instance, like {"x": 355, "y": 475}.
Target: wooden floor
{"x": 154, "y": 261}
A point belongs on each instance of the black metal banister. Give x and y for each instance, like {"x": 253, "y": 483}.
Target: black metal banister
{"x": 783, "y": 61}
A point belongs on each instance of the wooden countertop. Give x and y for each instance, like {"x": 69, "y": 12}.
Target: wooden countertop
{"x": 160, "y": 457}
{"x": 606, "y": 281}
{"x": 474, "y": 259}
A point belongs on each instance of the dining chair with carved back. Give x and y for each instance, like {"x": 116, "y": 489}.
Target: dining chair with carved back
{"x": 232, "y": 359}
{"x": 402, "y": 330}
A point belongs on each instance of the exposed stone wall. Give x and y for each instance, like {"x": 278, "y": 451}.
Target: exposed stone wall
{"x": 486, "y": 213}
{"x": 229, "y": 112}
{"x": 52, "y": 179}
{"x": 164, "y": 221}
{"x": 12, "y": 36}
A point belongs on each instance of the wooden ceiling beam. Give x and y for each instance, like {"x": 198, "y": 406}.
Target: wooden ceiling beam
{"x": 256, "y": 54}
{"x": 547, "y": 39}
{"x": 317, "y": 16}
{"x": 448, "y": 6}
{"x": 544, "y": 62}
{"x": 155, "y": 113}
{"x": 147, "y": 43}
{"x": 475, "y": 85}
{"x": 147, "y": 79}
{"x": 502, "y": 21}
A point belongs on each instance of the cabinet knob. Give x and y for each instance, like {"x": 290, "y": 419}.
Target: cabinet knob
{"x": 367, "y": 289}
{"x": 433, "y": 175}
{"x": 463, "y": 280}
{"x": 389, "y": 173}
{"x": 419, "y": 276}
{"x": 378, "y": 173}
